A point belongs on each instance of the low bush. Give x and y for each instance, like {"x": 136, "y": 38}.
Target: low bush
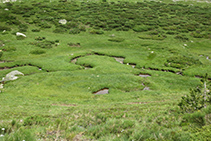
{"x": 44, "y": 25}
{"x": 1, "y": 53}
{"x": 39, "y": 38}
{"x": 116, "y": 39}
{"x": 35, "y": 30}
{"x": 74, "y": 31}
{"x": 59, "y": 30}
{"x": 152, "y": 37}
{"x": 181, "y": 37}
{"x": 20, "y": 37}
{"x": 94, "y": 31}
{"x": 142, "y": 28}
{"x": 198, "y": 98}
{"x": 74, "y": 44}
{"x": 3, "y": 27}
{"x": 22, "y": 28}
{"x": 43, "y": 44}
{"x": 197, "y": 35}
{"x": 179, "y": 61}
{"x": 37, "y": 51}
{"x": 8, "y": 48}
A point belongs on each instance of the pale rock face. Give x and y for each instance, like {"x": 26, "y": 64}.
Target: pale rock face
{"x": 63, "y": 21}
{"x": 20, "y": 34}
{"x": 12, "y": 76}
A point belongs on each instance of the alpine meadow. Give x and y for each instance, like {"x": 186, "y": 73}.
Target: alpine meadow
{"x": 105, "y": 70}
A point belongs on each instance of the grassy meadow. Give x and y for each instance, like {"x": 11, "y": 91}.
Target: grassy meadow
{"x": 148, "y": 54}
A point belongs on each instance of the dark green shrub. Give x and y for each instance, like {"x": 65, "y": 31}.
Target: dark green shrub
{"x": 180, "y": 61}
{"x": 93, "y": 31}
{"x": 59, "y": 30}
{"x": 57, "y": 41}
{"x": 1, "y": 53}
{"x": 82, "y": 28}
{"x": 198, "y": 98}
{"x": 39, "y": 38}
{"x": 35, "y": 30}
{"x": 74, "y": 31}
{"x": 3, "y": 27}
{"x": 74, "y": 44}
{"x": 22, "y": 28}
{"x": 142, "y": 28}
{"x": 72, "y": 25}
{"x": 44, "y": 25}
{"x": 8, "y": 48}
{"x": 171, "y": 32}
{"x": 116, "y": 39}
{"x": 197, "y": 35}
{"x": 13, "y": 22}
{"x": 20, "y": 37}
{"x": 152, "y": 37}
{"x": 37, "y": 51}
{"x": 181, "y": 37}
{"x": 43, "y": 44}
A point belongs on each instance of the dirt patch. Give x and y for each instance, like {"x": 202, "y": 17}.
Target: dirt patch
{"x": 66, "y": 105}
{"x": 119, "y": 59}
{"x": 87, "y": 67}
{"x": 4, "y": 68}
{"x": 102, "y": 91}
{"x": 74, "y": 60}
{"x": 74, "y": 44}
{"x": 144, "y": 75}
{"x": 197, "y": 76}
{"x": 179, "y": 73}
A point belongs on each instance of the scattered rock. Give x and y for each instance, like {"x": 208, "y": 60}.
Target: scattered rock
{"x": 146, "y": 89}
{"x": 63, "y": 21}
{"x": 11, "y": 76}
{"x": 144, "y": 75}
{"x": 119, "y": 59}
{"x": 102, "y": 91}
{"x": 74, "y": 60}
{"x": 20, "y": 34}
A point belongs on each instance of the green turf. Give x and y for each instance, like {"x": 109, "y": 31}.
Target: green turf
{"x": 55, "y": 100}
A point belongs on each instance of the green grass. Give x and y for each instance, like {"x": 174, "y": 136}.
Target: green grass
{"x": 54, "y": 99}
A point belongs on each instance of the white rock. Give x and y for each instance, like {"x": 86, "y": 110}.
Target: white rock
{"x": 152, "y": 51}
{"x": 63, "y": 21}
{"x": 12, "y": 76}
{"x": 1, "y": 86}
{"x": 20, "y": 34}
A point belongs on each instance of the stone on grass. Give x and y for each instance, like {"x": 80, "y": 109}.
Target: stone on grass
{"x": 11, "y": 76}
{"x": 102, "y": 91}
{"x": 63, "y": 21}
{"x": 20, "y": 34}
